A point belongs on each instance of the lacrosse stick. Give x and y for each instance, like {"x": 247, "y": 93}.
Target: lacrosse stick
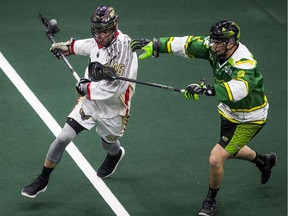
{"x": 157, "y": 85}
{"x": 50, "y": 28}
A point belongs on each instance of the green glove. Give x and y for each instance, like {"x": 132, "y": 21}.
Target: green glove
{"x": 148, "y": 51}
{"x": 192, "y": 91}
{"x": 150, "y": 48}
{"x": 137, "y": 44}
{"x": 189, "y": 95}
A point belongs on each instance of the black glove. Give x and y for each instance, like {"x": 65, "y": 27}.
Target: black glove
{"x": 97, "y": 72}
{"x": 81, "y": 86}
{"x": 193, "y": 91}
{"x": 56, "y": 53}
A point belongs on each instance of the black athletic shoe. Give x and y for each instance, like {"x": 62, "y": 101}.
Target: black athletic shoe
{"x": 208, "y": 207}
{"x": 110, "y": 164}
{"x": 38, "y": 186}
{"x": 270, "y": 161}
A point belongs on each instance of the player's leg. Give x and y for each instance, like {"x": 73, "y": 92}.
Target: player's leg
{"x": 233, "y": 138}
{"x": 115, "y": 154}
{"x": 53, "y": 157}
{"x": 77, "y": 121}
{"x": 221, "y": 151}
{"x": 264, "y": 163}
{"x": 217, "y": 159}
{"x": 110, "y": 130}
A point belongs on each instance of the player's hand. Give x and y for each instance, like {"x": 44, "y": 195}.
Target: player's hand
{"x": 97, "y": 72}
{"x": 82, "y": 85}
{"x": 193, "y": 91}
{"x": 150, "y": 48}
{"x": 64, "y": 47}
{"x": 137, "y": 44}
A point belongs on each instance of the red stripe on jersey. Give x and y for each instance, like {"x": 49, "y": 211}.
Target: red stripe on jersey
{"x": 72, "y": 47}
{"x": 88, "y": 91}
{"x": 127, "y": 98}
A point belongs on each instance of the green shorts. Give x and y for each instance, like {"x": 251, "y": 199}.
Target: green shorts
{"x": 235, "y": 136}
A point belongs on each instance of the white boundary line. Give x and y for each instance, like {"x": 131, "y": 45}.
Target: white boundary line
{"x": 72, "y": 150}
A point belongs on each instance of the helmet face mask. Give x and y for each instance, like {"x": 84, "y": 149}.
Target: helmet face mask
{"x": 104, "y": 25}
{"x": 98, "y": 30}
{"x": 223, "y": 33}
{"x": 218, "y": 47}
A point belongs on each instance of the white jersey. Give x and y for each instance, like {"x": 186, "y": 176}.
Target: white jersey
{"x": 110, "y": 98}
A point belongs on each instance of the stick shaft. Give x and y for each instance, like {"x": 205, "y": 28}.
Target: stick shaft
{"x": 74, "y": 73}
{"x": 157, "y": 85}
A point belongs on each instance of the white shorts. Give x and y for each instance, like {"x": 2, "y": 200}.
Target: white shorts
{"x": 108, "y": 129}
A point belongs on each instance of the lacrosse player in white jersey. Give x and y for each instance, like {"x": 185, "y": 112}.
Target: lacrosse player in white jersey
{"x": 104, "y": 103}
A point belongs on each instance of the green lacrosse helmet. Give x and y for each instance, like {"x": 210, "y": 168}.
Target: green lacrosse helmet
{"x": 224, "y": 30}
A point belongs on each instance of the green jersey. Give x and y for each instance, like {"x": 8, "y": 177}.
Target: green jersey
{"x": 238, "y": 82}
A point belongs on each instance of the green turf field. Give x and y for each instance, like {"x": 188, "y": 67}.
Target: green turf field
{"x": 168, "y": 139}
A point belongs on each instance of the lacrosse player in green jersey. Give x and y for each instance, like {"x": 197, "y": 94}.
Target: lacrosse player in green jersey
{"x": 238, "y": 87}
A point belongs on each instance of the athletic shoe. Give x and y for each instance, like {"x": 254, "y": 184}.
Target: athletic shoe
{"x": 208, "y": 207}
{"x": 110, "y": 164}
{"x": 270, "y": 161}
{"x": 38, "y": 186}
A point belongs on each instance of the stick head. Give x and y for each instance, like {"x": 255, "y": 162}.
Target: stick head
{"x": 98, "y": 72}
{"x": 50, "y": 26}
